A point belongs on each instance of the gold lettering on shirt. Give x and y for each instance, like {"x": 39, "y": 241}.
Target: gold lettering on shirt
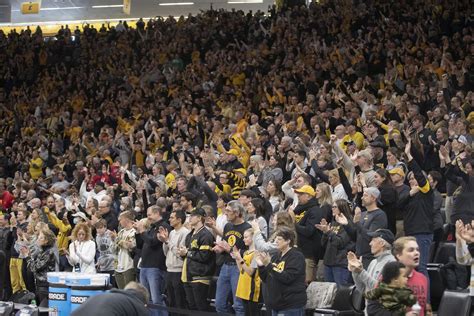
{"x": 299, "y": 217}
{"x": 279, "y": 267}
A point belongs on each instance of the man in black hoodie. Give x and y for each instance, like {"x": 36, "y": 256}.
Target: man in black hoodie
{"x": 307, "y": 214}
{"x": 153, "y": 264}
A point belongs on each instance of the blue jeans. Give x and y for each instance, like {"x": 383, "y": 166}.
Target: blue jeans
{"x": 289, "y": 312}
{"x": 154, "y": 280}
{"x": 226, "y": 286}
{"x": 424, "y": 243}
{"x": 338, "y": 275}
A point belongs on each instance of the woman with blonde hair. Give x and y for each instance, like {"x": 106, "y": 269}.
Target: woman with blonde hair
{"x": 82, "y": 249}
{"x": 325, "y": 199}
{"x": 280, "y": 219}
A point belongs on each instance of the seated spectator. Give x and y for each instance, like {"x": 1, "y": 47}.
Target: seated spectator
{"x": 380, "y": 246}
{"x": 392, "y": 294}
{"x": 406, "y": 251}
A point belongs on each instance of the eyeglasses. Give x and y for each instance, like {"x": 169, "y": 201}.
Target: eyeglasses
{"x": 334, "y": 206}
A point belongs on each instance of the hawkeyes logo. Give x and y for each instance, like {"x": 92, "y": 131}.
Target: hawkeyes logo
{"x": 279, "y": 267}
{"x": 231, "y": 241}
{"x": 299, "y": 217}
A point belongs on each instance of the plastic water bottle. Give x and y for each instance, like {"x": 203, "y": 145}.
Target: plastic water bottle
{"x": 416, "y": 309}
{"x": 53, "y": 311}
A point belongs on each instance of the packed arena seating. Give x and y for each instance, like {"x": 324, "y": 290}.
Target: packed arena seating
{"x": 244, "y": 162}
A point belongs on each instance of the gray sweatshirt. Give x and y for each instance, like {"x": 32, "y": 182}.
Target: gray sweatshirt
{"x": 174, "y": 263}
{"x": 367, "y": 279}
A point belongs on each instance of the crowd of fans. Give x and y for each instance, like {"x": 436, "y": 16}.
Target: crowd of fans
{"x": 244, "y": 148}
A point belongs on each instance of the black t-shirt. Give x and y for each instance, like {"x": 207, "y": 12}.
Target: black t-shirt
{"x": 234, "y": 235}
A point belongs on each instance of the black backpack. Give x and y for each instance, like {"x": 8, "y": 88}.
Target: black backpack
{"x": 23, "y": 297}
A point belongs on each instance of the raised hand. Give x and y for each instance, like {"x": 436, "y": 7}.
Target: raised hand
{"x": 182, "y": 251}
{"x": 357, "y": 213}
{"x": 236, "y": 254}
{"x": 163, "y": 234}
{"x": 354, "y": 264}
{"x": 341, "y": 219}
{"x": 323, "y": 226}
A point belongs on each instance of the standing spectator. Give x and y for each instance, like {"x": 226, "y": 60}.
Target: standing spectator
{"x": 41, "y": 263}
{"x": 6, "y": 238}
{"x": 248, "y": 288}
{"x": 81, "y": 254}
{"x": 233, "y": 236}
{"x": 106, "y": 213}
{"x": 324, "y": 197}
{"x": 64, "y": 228}
{"x": 97, "y": 193}
{"x": 125, "y": 244}
{"x": 435, "y": 178}
{"x": 460, "y": 173}
{"x": 419, "y": 214}
{"x": 284, "y": 276}
{"x": 36, "y": 165}
{"x": 364, "y": 223}
{"x": 199, "y": 262}
{"x": 337, "y": 243}
{"x": 388, "y": 197}
{"x": 18, "y": 225}
{"x": 255, "y": 210}
{"x": 105, "y": 240}
{"x": 307, "y": 214}
{"x": 338, "y": 192}
{"x": 153, "y": 260}
{"x": 381, "y": 248}
{"x": 406, "y": 251}
{"x": 465, "y": 249}
{"x": 6, "y": 198}
{"x": 172, "y": 242}
{"x": 398, "y": 178}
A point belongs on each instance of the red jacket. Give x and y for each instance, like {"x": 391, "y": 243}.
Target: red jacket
{"x": 6, "y": 200}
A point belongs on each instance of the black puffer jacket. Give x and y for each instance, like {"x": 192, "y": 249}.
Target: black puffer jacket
{"x": 337, "y": 243}
{"x": 41, "y": 263}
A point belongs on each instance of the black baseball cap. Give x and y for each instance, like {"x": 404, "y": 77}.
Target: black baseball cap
{"x": 198, "y": 212}
{"x": 385, "y": 234}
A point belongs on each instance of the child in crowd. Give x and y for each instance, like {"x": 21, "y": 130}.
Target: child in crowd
{"x": 392, "y": 295}
{"x": 105, "y": 245}
{"x": 248, "y": 287}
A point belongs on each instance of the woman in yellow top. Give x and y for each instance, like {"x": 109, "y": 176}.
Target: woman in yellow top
{"x": 36, "y": 166}
{"x": 248, "y": 287}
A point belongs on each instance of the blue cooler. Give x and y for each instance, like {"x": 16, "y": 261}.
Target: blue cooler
{"x": 84, "y": 286}
{"x": 58, "y": 293}
{"x": 80, "y": 294}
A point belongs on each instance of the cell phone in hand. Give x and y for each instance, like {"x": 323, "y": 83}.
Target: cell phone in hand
{"x": 357, "y": 169}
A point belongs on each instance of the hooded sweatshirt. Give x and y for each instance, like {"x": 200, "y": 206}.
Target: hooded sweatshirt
{"x": 308, "y": 237}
